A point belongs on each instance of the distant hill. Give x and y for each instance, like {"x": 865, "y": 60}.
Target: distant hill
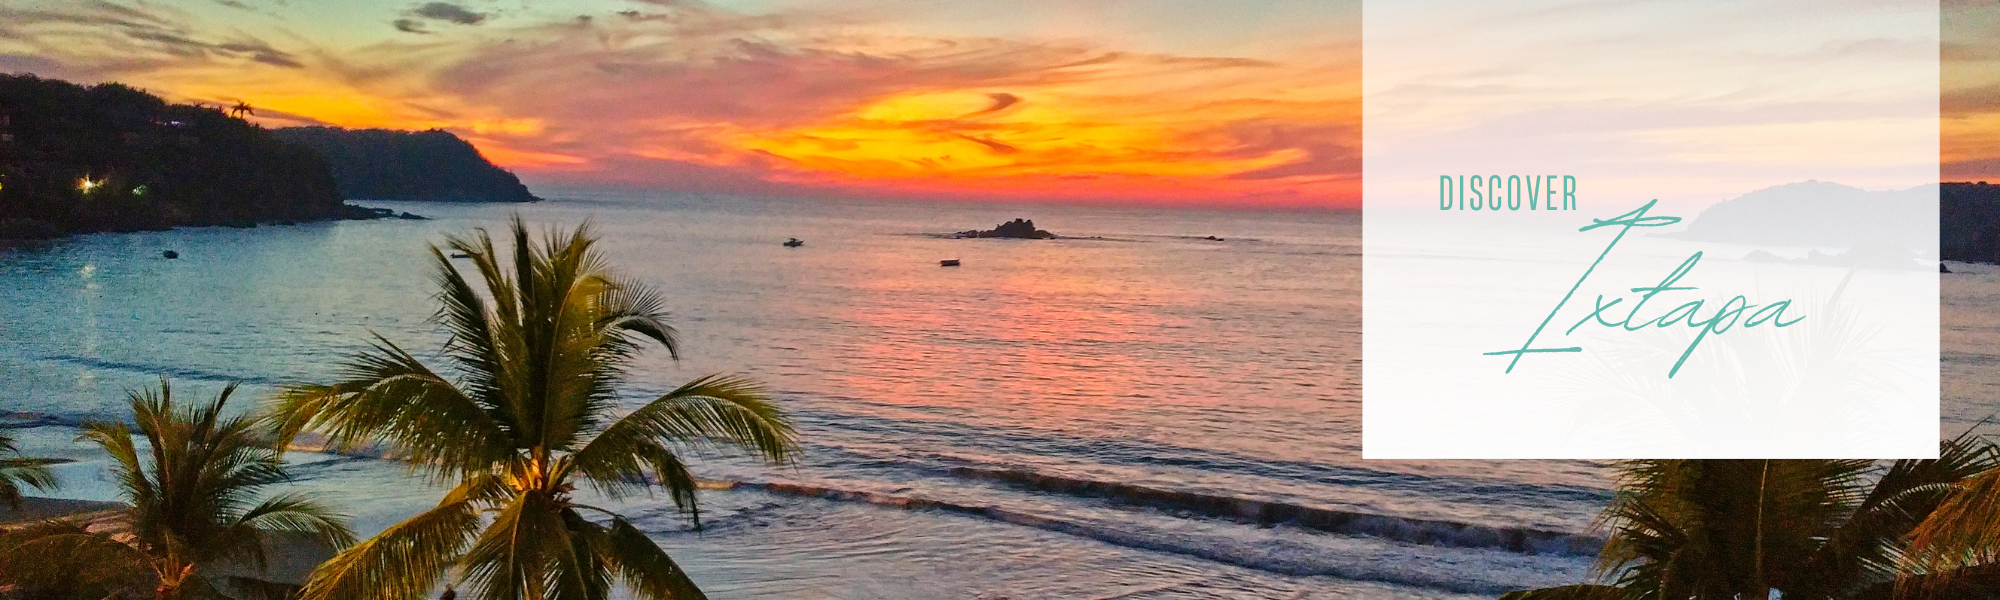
{"x": 1817, "y": 213}
{"x": 382, "y": 164}
{"x": 77, "y": 159}
{"x": 1969, "y": 227}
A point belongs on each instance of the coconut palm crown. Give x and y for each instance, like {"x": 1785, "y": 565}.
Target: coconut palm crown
{"x": 525, "y": 410}
{"x": 1755, "y": 529}
{"x": 196, "y": 490}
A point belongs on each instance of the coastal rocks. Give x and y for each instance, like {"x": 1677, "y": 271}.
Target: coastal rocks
{"x": 1866, "y": 256}
{"x": 363, "y": 213}
{"x": 1016, "y": 229}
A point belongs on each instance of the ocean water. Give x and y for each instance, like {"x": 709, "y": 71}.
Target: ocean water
{"x": 1133, "y": 412}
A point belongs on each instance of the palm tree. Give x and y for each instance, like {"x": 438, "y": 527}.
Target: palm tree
{"x": 16, "y": 471}
{"x": 528, "y": 413}
{"x": 194, "y": 490}
{"x": 241, "y": 108}
{"x": 1751, "y": 529}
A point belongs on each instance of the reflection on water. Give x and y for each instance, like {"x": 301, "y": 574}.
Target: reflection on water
{"x": 1149, "y": 358}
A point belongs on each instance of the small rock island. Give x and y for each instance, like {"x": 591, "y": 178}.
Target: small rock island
{"x": 1017, "y": 228}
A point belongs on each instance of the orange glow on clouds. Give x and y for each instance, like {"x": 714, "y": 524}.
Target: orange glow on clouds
{"x": 692, "y": 97}
{"x": 1251, "y": 104}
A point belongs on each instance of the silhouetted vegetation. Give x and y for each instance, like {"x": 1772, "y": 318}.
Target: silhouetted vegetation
{"x": 1818, "y": 529}
{"x": 434, "y": 165}
{"x": 77, "y": 159}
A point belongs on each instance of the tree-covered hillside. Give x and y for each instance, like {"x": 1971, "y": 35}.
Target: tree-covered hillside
{"x": 434, "y": 165}
{"x": 77, "y": 159}
{"x": 1969, "y": 227}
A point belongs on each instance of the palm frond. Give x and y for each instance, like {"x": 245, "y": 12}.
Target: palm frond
{"x": 1963, "y": 532}
{"x": 1573, "y": 592}
{"x": 407, "y": 559}
{"x": 295, "y": 513}
{"x": 705, "y": 413}
{"x": 475, "y": 346}
{"x": 116, "y": 439}
{"x": 580, "y": 570}
{"x": 16, "y": 471}
{"x": 514, "y": 557}
{"x": 391, "y": 396}
{"x": 637, "y": 309}
{"x": 644, "y": 567}
{"x": 711, "y": 412}
{"x": 1864, "y": 551}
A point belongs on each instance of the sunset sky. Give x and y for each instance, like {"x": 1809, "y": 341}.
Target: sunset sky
{"x": 1690, "y": 103}
{"x": 1180, "y": 101}
{"x": 1970, "y": 106}
{"x": 1176, "y": 101}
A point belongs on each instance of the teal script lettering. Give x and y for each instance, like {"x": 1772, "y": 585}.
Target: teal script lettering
{"x": 1723, "y": 319}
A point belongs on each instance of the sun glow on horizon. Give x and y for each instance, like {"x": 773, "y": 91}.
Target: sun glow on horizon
{"x": 876, "y": 97}
{"x": 702, "y": 97}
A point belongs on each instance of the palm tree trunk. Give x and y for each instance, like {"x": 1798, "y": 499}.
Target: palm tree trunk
{"x": 1763, "y": 589}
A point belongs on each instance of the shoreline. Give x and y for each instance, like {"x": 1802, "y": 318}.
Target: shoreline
{"x": 17, "y": 230}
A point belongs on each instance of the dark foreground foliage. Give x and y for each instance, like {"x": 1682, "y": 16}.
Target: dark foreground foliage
{"x": 77, "y": 159}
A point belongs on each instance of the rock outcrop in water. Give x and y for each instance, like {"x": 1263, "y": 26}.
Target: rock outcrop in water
{"x": 77, "y": 159}
{"x": 1017, "y": 228}
{"x": 382, "y": 164}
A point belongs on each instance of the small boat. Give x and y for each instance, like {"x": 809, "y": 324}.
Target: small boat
{"x": 794, "y": 243}
{"x": 460, "y": 255}
{"x": 170, "y": 255}
{"x": 949, "y": 262}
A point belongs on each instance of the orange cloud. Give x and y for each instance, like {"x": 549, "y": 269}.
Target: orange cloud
{"x": 1970, "y": 100}
{"x": 687, "y": 96}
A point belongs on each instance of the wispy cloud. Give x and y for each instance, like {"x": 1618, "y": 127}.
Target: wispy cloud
{"x": 409, "y": 26}
{"x": 95, "y": 40}
{"x": 1970, "y": 100}
{"x": 448, "y": 12}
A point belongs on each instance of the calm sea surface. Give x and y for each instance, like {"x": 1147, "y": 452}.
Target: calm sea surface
{"x": 1134, "y": 413}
